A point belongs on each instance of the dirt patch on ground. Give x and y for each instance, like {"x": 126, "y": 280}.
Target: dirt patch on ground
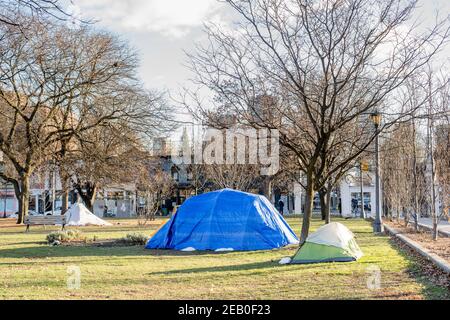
{"x": 9, "y": 223}
{"x": 441, "y": 247}
{"x": 426, "y": 268}
{"x": 103, "y": 244}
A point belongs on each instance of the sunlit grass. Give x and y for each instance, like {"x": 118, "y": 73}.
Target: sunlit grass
{"x": 31, "y": 269}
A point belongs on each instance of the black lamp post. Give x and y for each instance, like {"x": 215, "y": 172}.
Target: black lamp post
{"x": 5, "y": 188}
{"x": 5, "y": 195}
{"x": 378, "y": 224}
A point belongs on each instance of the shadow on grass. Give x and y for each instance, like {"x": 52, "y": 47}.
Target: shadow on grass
{"x": 270, "y": 264}
{"x": 93, "y": 250}
{"x": 236, "y": 267}
{"x": 174, "y": 253}
{"x": 45, "y": 251}
{"x": 23, "y": 243}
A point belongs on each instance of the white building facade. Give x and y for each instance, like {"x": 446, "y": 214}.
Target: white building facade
{"x": 346, "y": 200}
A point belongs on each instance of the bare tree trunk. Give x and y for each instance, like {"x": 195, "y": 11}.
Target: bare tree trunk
{"x": 407, "y": 217}
{"x": 307, "y": 216}
{"x": 328, "y": 209}
{"x": 323, "y": 204}
{"x": 92, "y": 196}
{"x": 16, "y": 186}
{"x": 65, "y": 201}
{"x": 89, "y": 195}
{"x": 65, "y": 196}
{"x": 267, "y": 188}
{"x": 387, "y": 212}
{"x": 24, "y": 198}
{"x": 435, "y": 229}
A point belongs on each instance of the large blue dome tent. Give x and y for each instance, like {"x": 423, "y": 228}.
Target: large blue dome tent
{"x": 225, "y": 220}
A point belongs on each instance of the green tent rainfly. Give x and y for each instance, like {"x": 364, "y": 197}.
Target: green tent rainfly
{"x": 333, "y": 242}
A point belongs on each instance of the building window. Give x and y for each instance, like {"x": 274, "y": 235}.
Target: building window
{"x": 175, "y": 174}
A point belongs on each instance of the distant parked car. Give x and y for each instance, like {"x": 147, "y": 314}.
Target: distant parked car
{"x": 56, "y": 212}
{"x": 109, "y": 214}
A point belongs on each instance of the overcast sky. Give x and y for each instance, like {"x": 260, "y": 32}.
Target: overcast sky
{"x": 161, "y": 29}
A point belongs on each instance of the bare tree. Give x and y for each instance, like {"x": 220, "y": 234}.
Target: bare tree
{"x": 443, "y": 165}
{"x": 105, "y": 155}
{"x": 398, "y": 170}
{"x": 437, "y": 134}
{"x": 154, "y": 185}
{"x": 234, "y": 176}
{"x": 108, "y": 152}
{"x": 56, "y": 84}
{"x": 197, "y": 177}
{"x": 10, "y": 9}
{"x": 334, "y": 161}
{"x": 328, "y": 63}
{"x": 413, "y": 153}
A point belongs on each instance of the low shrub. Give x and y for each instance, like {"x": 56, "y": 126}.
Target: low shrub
{"x": 135, "y": 239}
{"x": 58, "y": 237}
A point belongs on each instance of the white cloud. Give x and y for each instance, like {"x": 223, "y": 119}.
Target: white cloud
{"x": 169, "y": 17}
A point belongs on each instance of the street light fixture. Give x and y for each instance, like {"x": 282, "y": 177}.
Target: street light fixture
{"x": 378, "y": 224}
{"x": 376, "y": 119}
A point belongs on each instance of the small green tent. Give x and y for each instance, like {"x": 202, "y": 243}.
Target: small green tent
{"x": 333, "y": 242}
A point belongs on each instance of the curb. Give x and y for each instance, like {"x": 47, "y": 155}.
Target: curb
{"x": 438, "y": 261}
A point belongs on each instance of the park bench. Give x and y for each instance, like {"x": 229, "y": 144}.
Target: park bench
{"x": 45, "y": 221}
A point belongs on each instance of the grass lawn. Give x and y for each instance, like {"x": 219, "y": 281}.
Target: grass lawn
{"x": 30, "y": 269}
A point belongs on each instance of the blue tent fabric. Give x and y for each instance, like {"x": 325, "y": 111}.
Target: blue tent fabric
{"x": 225, "y": 219}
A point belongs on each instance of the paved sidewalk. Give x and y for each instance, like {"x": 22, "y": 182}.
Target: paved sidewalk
{"x": 444, "y": 226}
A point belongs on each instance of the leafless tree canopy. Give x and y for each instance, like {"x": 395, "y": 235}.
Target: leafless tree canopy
{"x": 59, "y": 85}
{"x": 415, "y": 153}
{"x": 10, "y": 9}
{"x": 325, "y": 64}
{"x": 154, "y": 186}
{"x": 398, "y": 168}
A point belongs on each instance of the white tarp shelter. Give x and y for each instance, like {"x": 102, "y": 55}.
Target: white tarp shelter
{"x": 79, "y": 215}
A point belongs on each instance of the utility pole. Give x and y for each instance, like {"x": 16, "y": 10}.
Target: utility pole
{"x": 5, "y": 196}
{"x": 361, "y": 172}
{"x": 53, "y": 190}
{"x": 378, "y": 224}
{"x": 415, "y": 182}
{"x": 5, "y": 185}
{"x": 434, "y": 213}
